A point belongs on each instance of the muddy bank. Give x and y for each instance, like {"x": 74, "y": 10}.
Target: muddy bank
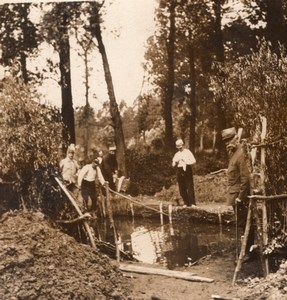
{"x": 40, "y": 262}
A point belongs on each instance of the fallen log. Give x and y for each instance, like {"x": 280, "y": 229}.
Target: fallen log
{"x": 170, "y": 273}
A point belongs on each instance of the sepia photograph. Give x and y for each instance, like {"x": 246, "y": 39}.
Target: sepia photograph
{"x": 143, "y": 150}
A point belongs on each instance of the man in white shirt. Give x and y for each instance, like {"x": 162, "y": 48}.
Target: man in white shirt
{"x": 69, "y": 168}
{"x": 87, "y": 183}
{"x": 183, "y": 161}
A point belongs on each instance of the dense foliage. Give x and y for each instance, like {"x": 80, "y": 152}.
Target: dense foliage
{"x": 255, "y": 86}
{"x": 30, "y": 135}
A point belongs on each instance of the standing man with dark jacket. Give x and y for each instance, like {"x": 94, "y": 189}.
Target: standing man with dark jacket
{"x": 109, "y": 167}
{"x": 183, "y": 161}
{"x": 238, "y": 182}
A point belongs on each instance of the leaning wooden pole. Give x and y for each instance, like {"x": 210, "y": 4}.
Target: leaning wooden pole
{"x": 78, "y": 210}
{"x": 110, "y": 212}
{"x": 244, "y": 242}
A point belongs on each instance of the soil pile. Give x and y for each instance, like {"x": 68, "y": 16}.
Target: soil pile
{"x": 40, "y": 262}
{"x": 273, "y": 287}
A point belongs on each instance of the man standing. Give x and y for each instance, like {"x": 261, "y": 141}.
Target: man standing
{"x": 109, "y": 167}
{"x": 87, "y": 183}
{"x": 183, "y": 161}
{"x": 238, "y": 181}
{"x": 69, "y": 168}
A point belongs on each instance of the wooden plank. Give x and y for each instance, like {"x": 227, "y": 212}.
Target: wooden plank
{"x": 163, "y": 272}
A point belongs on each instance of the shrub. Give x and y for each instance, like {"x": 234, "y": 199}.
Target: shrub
{"x": 30, "y": 136}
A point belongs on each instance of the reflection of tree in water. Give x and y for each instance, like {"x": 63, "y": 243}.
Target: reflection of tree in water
{"x": 184, "y": 248}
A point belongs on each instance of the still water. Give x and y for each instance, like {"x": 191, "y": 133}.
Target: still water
{"x": 169, "y": 245}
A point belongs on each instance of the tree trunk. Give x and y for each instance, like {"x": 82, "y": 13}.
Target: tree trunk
{"x": 169, "y": 90}
{"x": 275, "y": 25}
{"x": 192, "y": 99}
{"x": 114, "y": 110}
{"x": 219, "y": 52}
{"x": 23, "y": 57}
{"x": 66, "y": 90}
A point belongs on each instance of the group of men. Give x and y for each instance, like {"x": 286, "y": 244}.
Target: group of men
{"x": 238, "y": 175}
{"x": 101, "y": 168}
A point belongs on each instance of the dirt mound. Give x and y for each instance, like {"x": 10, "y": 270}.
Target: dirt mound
{"x": 40, "y": 262}
{"x": 273, "y": 287}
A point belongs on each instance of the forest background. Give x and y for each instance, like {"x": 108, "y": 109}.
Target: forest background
{"x": 208, "y": 67}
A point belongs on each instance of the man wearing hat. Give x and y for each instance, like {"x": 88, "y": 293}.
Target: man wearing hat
{"x": 69, "y": 168}
{"x": 238, "y": 181}
{"x": 183, "y": 161}
{"x": 109, "y": 167}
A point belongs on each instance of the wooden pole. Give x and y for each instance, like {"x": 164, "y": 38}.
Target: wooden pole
{"x": 244, "y": 242}
{"x": 73, "y": 202}
{"x": 219, "y": 216}
{"x": 170, "y": 213}
{"x": 110, "y": 212}
{"x": 264, "y": 208}
{"x": 132, "y": 210}
{"x": 260, "y": 235}
{"x": 265, "y": 234}
{"x": 161, "y": 215}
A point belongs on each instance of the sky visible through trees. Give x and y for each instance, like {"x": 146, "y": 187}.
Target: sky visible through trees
{"x": 128, "y": 24}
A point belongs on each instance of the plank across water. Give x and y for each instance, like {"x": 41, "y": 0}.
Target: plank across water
{"x": 170, "y": 273}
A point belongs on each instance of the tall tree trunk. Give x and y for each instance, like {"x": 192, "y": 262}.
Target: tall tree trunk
{"x": 66, "y": 90}
{"x": 169, "y": 89}
{"x": 114, "y": 110}
{"x": 219, "y": 52}
{"x": 192, "y": 99}
{"x": 24, "y": 9}
{"x": 275, "y": 24}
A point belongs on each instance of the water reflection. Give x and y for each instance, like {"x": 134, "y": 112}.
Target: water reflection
{"x": 170, "y": 245}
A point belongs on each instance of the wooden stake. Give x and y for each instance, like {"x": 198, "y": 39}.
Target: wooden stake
{"x": 132, "y": 209}
{"x": 110, "y": 212}
{"x": 170, "y": 213}
{"x": 161, "y": 215}
{"x": 265, "y": 234}
{"x": 244, "y": 242}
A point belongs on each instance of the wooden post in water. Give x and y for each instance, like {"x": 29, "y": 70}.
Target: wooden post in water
{"x": 132, "y": 210}
{"x": 110, "y": 212}
{"x": 161, "y": 215}
{"x": 219, "y": 216}
{"x": 170, "y": 219}
{"x": 170, "y": 213}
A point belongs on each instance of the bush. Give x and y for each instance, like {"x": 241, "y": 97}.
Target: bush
{"x": 30, "y": 137}
{"x": 149, "y": 172}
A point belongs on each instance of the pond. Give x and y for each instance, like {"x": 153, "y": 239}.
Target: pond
{"x": 169, "y": 245}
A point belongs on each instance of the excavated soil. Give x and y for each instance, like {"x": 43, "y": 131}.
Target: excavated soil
{"x": 40, "y": 262}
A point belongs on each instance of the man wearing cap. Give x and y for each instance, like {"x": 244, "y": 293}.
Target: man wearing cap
{"x": 109, "y": 167}
{"x": 183, "y": 161}
{"x": 87, "y": 183}
{"x": 69, "y": 168}
{"x": 238, "y": 181}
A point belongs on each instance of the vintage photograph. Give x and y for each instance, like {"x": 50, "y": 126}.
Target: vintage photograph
{"x": 143, "y": 150}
